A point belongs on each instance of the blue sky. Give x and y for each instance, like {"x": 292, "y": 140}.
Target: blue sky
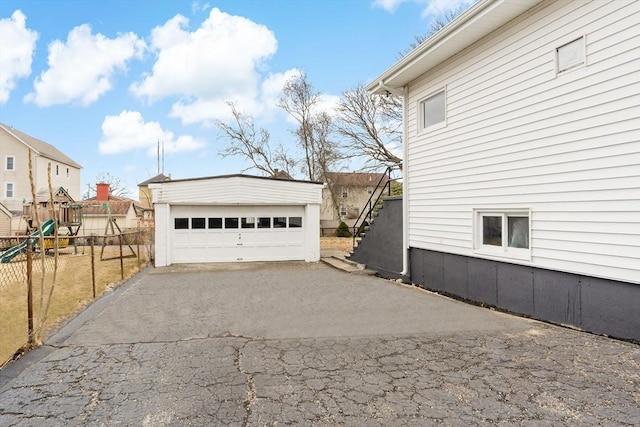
{"x": 103, "y": 81}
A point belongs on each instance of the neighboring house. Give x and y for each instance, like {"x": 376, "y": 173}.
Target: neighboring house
{"x": 5, "y": 220}
{"x": 522, "y": 160}
{"x": 15, "y": 187}
{"x": 351, "y": 192}
{"x": 98, "y": 210}
{"x": 144, "y": 194}
{"x": 234, "y": 218}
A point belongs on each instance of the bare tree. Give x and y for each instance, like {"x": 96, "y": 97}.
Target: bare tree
{"x": 116, "y": 186}
{"x": 253, "y": 144}
{"x": 436, "y": 24}
{"x": 314, "y": 127}
{"x": 371, "y": 126}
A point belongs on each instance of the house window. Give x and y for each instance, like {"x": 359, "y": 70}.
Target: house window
{"x": 343, "y": 211}
{"x": 570, "y": 55}
{"x": 57, "y": 170}
{"x": 369, "y": 190}
{"x": 503, "y": 233}
{"x": 197, "y": 223}
{"x": 8, "y": 190}
{"x": 295, "y": 221}
{"x": 10, "y": 163}
{"x": 345, "y": 192}
{"x": 67, "y": 172}
{"x": 181, "y": 223}
{"x": 433, "y": 110}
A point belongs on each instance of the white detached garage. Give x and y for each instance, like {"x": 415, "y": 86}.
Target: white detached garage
{"x": 236, "y": 218}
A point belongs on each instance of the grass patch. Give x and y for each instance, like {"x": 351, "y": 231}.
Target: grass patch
{"x": 72, "y": 293}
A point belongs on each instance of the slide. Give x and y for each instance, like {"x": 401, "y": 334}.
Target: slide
{"x": 6, "y": 256}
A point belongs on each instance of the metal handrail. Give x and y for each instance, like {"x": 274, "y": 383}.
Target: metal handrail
{"x": 368, "y": 212}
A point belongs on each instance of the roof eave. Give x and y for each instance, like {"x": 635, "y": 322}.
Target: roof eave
{"x": 481, "y": 19}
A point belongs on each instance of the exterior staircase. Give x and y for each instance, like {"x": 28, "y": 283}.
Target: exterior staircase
{"x": 379, "y": 245}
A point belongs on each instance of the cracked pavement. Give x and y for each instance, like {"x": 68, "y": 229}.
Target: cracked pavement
{"x": 293, "y": 343}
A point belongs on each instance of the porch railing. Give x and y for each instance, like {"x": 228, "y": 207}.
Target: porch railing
{"x": 366, "y": 214}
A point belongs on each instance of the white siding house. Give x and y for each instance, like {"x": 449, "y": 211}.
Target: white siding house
{"x": 15, "y": 187}
{"x": 236, "y": 218}
{"x": 522, "y": 147}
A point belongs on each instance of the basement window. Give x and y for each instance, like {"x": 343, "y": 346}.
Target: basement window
{"x": 504, "y": 233}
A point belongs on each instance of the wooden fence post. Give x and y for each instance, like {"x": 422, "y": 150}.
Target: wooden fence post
{"x": 93, "y": 268}
{"x": 138, "y": 245}
{"x": 29, "y": 294}
{"x": 121, "y": 259}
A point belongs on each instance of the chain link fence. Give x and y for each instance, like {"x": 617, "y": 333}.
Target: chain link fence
{"x": 80, "y": 268}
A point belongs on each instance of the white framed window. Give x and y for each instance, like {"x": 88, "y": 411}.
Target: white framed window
{"x": 57, "y": 170}
{"x": 67, "y": 172}
{"x": 345, "y": 192}
{"x": 343, "y": 211}
{"x": 503, "y": 232}
{"x": 9, "y": 190}
{"x": 10, "y": 163}
{"x": 369, "y": 190}
{"x": 433, "y": 110}
{"x": 570, "y": 55}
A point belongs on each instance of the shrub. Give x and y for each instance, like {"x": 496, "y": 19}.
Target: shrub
{"x": 343, "y": 230}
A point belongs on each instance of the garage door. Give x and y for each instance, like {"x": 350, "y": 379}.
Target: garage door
{"x": 237, "y": 233}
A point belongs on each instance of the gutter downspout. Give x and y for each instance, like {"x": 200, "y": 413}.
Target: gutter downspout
{"x": 392, "y": 91}
{"x": 405, "y": 185}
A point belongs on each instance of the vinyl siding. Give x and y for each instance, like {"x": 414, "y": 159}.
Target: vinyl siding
{"x": 237, "y": 190}
{"x": 519, "y": 135}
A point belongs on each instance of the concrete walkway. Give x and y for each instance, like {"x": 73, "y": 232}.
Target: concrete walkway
{"x": 294, "y": 343}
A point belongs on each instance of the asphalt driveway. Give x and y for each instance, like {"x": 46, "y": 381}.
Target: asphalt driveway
{"x": 294, "y": 343}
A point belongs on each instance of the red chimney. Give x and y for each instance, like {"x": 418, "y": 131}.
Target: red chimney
{"x": 102, "y": 192}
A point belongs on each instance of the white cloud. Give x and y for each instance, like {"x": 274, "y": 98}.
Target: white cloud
{"x": 129, "y": 132}
{"x": 272, "y": 87}
{"x": 219, "y": 61}
{"x": 431, "y": 8}
{"x": 440, "y": 7}
{"x": 17, "y": 44}
{"x": 197, "y": 6}
{"x": 82, "y": 69}
{"x": 388, "y": 5}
